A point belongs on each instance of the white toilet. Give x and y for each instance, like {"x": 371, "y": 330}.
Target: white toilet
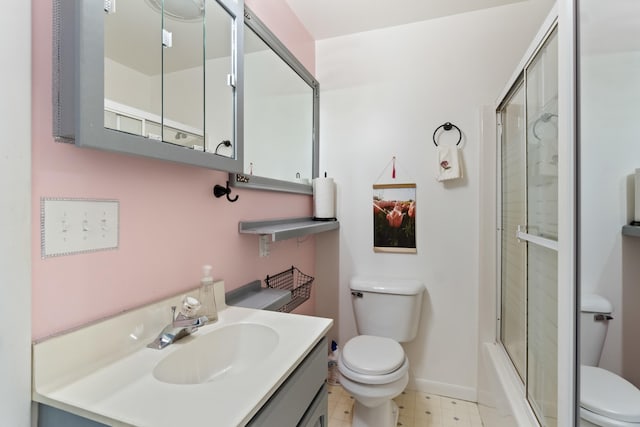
{"x": 606, "y": 400}
{"x": 373, "y": 366}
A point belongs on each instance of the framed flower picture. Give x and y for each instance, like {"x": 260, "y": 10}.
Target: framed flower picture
{"x": 394, "y": 218}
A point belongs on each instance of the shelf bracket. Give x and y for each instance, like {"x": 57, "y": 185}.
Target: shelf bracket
{"x": 263, "y": 245}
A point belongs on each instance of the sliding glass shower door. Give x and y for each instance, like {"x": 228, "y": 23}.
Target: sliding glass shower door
{"x": 513, "y": 331}
{"x": 528, "y": 232}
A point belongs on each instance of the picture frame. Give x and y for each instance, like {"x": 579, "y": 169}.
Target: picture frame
{"x": 394, "y": 218}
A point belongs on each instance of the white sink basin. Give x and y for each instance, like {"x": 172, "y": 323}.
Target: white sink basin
{"x": 224, "y": 352}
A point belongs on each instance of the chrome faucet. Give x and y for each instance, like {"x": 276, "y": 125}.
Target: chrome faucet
{"x": 180, "y": 327}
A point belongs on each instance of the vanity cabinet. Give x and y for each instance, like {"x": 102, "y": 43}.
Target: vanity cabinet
{"x": 302, "y": 399}
{"x": 317, "y": 415}
{"x": 49, "y": 416}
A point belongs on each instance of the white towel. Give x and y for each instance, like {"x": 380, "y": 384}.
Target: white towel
{"x": 448, "y": 163}
{"x": 548, "y": 162}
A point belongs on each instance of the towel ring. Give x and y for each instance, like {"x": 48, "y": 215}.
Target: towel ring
{"x": 447, "y": 126}
{"x": 544, "y": 119}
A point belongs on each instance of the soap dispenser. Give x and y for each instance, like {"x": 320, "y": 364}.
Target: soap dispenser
{"x": 207, "y": 295}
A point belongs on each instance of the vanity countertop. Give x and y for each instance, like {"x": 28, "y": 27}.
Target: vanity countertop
{"x": 104, "y": 371}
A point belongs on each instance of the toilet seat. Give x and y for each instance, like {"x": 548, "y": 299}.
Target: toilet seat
{"x": 606, "y": 394}
{"x": 369, "y": 359}
{"x": 371, "y": 355}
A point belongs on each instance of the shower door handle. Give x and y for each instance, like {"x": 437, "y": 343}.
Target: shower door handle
{"x": 535, "y": 239}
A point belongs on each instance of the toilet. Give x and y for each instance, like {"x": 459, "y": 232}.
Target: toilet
{"x": 373, "y": 366}
{"x": 606, "y": 399}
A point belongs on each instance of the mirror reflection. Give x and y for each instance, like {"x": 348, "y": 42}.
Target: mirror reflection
{"x": 278, "y": 116}
{"x": 167, "y": 73}
{"x": 170, "y": 76}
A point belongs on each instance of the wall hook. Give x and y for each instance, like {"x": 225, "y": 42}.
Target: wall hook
{"x": 220, "y": 191}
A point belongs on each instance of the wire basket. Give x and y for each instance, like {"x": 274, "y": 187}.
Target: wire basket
{"x": 295, "y": 281}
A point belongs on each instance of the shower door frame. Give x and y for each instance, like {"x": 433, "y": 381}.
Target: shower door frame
{"x": 564, "y": 16}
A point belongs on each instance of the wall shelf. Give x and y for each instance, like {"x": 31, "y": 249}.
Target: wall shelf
{"x": 631, "y": 230}
{"x": 282, "y": 229}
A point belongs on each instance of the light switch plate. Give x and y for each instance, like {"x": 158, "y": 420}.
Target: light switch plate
{"x": 110, "y": 6}
{"x": 69, "y": 226}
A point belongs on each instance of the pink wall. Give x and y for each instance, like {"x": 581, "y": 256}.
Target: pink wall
{"x": 170, "y": 223}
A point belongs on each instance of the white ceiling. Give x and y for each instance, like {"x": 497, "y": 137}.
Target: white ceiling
{"x": 131, "y": 33}
{"x": 332, "y": 18}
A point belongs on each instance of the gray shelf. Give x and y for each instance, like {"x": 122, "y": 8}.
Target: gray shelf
{"x": 282, "y": 229}
{"x": 631, "y": 230}
{"x": 253, "y": 295}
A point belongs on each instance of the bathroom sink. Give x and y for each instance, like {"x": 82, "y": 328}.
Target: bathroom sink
{"x": 229, "y": 351}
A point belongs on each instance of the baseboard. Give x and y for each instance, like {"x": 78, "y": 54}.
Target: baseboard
{"x": 443, "y": 389}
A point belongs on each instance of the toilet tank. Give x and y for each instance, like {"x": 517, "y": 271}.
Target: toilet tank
{"x": 595, "y": 312}
{"x": 387, "y": 307}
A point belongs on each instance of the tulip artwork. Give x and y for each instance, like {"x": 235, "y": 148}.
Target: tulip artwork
{"x": 394, "y": 218}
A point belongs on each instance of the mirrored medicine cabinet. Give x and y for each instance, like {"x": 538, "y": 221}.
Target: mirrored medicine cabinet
{"x": 281, "y": 115}
{"x": 166, "y": 79}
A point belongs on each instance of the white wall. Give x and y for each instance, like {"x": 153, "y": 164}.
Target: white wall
{"x": 15, "y": 187}
{"x": 384, "y": 92}
{"x": 130, "y": 87}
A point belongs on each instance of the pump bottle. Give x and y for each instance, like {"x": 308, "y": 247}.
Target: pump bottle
{"x": 207, "y": 295}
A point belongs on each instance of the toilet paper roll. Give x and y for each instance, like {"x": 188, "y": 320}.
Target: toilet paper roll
{"x": 324, "y": 196}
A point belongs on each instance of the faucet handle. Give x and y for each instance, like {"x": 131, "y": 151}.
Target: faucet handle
{"x": 190, "y": 306}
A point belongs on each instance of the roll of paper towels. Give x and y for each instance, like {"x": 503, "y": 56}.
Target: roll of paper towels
{"x": 324, "y": 199}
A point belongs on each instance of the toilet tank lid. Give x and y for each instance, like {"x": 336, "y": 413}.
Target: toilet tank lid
{"x": 387, "y": 286}
{"x": 592, "y": 303}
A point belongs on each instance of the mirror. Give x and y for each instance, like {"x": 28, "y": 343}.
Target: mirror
{"x": 157, "y": 78}
{"x": 280, "y": 115}
{"x": 165, "y": 79}
{"x": 154, "y": 64}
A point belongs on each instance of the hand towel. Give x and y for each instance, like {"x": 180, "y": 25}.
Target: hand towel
{"x": 548, "y": 162}
{"x": 448, "y": 163}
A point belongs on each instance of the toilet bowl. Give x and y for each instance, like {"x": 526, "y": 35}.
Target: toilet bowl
{"x": 373, "y": 366}
{"x": 373, "y": 370}
{"x": 606, "y": 399}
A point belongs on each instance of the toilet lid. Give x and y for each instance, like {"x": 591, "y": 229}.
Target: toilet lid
{"x": 609, "y": 395}
{"x": 370, "y": 355}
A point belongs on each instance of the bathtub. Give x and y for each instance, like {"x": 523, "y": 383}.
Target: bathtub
{"x": 501, "y": 394}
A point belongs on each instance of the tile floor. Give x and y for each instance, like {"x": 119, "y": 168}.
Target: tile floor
{"x": 416, "y": 410}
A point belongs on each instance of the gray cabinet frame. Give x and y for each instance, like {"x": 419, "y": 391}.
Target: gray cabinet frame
{"x": 78, "y": 84}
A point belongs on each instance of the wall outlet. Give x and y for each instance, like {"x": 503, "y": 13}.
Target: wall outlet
{"x": 69, "y": 226}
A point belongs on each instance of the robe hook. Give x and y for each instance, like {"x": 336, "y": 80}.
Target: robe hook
{"x": 220, "y": 191}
